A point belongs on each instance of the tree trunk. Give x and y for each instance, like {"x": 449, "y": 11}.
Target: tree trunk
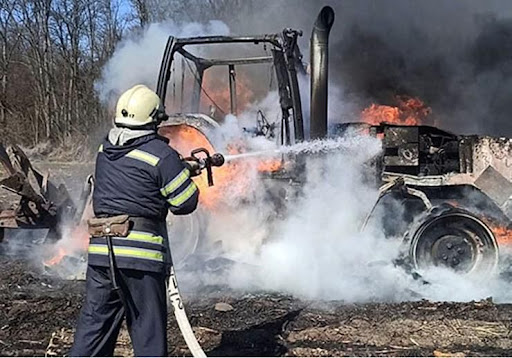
{"x": 3, "y": 119}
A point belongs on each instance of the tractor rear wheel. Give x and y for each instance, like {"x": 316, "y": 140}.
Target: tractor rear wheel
{"x": 455, "y": 239}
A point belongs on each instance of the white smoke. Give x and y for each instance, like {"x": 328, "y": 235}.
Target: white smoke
{"x": 318, "y": 250}
{"x": 447, "y": 285}
{"x": 137, "y": 59}
{"x": 269, "y": 106}
{"x": 314, "y": 247}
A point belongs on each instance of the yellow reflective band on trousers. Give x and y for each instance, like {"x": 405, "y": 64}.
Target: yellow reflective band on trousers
{"x": 143, "y": 156}
{"x": 126, "y": 251}
{"x": 184, "y": 195}
{"x": 176, "y": 182}
{"x": 100, "y": 149}
{"x": 143, "y": 236}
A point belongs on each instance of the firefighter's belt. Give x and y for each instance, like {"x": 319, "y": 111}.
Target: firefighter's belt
{"x": 112, "y": 226}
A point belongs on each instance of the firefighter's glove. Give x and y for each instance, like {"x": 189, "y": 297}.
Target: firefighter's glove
{"x": 193, "y": 166}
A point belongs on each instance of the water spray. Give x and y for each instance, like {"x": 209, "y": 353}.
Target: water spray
{"x": 313, "y": 147}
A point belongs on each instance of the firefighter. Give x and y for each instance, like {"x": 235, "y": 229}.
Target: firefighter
{"x": 138, "y": 179}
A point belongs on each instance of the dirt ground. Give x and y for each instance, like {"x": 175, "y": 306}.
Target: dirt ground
{"x": 38, "y": 315}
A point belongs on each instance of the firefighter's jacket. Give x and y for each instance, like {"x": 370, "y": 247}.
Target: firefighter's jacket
{"x": 143, "y": 178}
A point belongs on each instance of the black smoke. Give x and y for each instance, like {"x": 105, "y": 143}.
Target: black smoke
{"x": 454, "y": 55}
{"x": 466, "y": 81}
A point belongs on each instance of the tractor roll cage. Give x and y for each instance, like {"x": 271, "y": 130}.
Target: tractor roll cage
{"x": 286, "y": 58}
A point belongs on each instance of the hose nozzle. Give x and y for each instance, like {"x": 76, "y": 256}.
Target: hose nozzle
{"x": 206, "y": 162}
{"x": 217, "y": 160}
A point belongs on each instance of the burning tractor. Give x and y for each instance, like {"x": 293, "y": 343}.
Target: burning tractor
{"x": 454, "y": 190}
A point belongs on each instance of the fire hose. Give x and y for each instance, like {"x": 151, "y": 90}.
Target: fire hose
{"x": 196, "y": 165}
{"x": 181, "y": 316}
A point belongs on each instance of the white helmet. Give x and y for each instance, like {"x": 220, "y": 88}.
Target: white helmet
{"x": 137, "y": 107}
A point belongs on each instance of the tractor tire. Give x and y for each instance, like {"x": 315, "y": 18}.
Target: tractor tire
{"x": 456, "y": 239}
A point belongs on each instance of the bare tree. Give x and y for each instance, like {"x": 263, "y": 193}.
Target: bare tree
{"x": 141, "y": 7}
{"x": 8, "y": 42}
{"x": 56, "y": 50}
{"x": 200, "y": 11}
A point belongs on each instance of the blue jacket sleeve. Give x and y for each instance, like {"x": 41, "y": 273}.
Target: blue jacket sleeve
{"x": 180, "y": 192}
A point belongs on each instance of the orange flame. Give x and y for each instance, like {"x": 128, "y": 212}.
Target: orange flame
{"x": 184, "y": 139}
{"x": 410, "y": 111}
{"x": 79, "y": 242}
{"x": 61, "y": 252}
{"x": 217, "y": 88}
{"x": 503, "y": 235}
{"x": 228, "y": 178}
{"x": 270, "y": 165}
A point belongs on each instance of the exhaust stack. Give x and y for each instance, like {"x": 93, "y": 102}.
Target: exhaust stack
{"x": 319, "y": 58}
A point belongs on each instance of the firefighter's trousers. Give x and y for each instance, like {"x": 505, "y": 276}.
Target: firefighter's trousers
{"x": 144, "y": 295}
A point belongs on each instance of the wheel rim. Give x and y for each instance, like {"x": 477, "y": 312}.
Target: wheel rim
{"x": 456, "y": 240}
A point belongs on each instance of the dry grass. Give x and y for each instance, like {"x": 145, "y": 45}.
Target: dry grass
{"x": 70, "y": 150}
